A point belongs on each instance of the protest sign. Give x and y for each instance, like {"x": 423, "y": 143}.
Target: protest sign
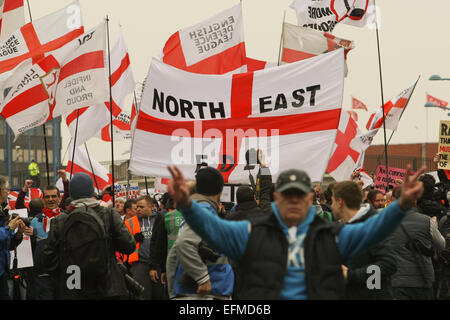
{"x": 394, "y": 174}
{"x": 444, "y": 145}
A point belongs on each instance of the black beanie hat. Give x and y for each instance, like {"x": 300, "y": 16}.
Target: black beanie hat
{"x": 209, "y": 181}
{"x": 81, "y": 186}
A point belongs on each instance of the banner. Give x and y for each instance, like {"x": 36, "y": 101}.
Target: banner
{"x": 301, "y": 43}
{"x": 12, "y": 17}
{"x": 393, "y": 110}
{"x": 394, "y": 174}
{"x": 33, "y": 40}
{"x": 92, "y": 119}
{"x": 444, "y": 145}
{"x": 72, "y": 77}
{"x": 121, "y": 190}
{"x": 213, "y": 46}
{"x": 191, "y": 120}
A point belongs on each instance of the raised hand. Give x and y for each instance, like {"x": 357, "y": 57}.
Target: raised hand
{"x": 412, "y": 188}
{"x": 178, "y": 188}
{"x": 62, "y": 174}
{"x": 28, "y": 184}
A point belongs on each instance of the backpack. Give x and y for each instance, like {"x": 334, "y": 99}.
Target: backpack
{"x": 85, "y": 243}
{"x": 444, "y": 229}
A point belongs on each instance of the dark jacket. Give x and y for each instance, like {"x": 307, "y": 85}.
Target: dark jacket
{"x": 263, "y": 268}
{"x": 431, "y": 208}
{"x": 381, "y": 255}
{"x": 158, "y": 243}
{"x": 414, "y": 270}
{"x": 248, "y": 209}
{"x": 121, "y": 241}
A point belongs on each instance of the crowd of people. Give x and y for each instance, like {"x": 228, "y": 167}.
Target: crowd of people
{"x": 283, "y": 240}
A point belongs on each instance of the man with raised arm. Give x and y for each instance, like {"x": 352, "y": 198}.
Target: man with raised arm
{"x": 292, "y": 253}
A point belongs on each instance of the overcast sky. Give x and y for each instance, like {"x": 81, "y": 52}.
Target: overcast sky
{"x": 413, "y": 40}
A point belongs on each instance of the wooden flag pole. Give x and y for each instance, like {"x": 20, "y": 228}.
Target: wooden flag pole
{"x": 111, "y": 107}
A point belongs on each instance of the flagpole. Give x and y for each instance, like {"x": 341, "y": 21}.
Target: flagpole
{"x": 382, "y": 100}
{"x": 47, "y": 166}
{"x": 146, "y": 185}
{"x": 74, "y": 143}
{"x": 92, "y": 168}
{"x": 281, "y": 40}
{"x": 111, "y": 108}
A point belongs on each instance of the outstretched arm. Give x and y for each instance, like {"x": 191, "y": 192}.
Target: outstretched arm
{"x": 356, "y": 238}
{"x": 227, "y": 237}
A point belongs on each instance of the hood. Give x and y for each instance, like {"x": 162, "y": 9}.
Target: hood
{"x": 362, "y": 213}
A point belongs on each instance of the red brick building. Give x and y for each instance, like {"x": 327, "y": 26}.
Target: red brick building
{"x": 400, "y": 155}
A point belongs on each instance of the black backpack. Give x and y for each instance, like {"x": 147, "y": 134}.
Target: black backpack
{"x": 444, "y": 228}
{"x": 85, "y": 243}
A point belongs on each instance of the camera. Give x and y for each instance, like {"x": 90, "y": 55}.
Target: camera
{"x": 251, "y": 156}
{"x": 26, "y": 221}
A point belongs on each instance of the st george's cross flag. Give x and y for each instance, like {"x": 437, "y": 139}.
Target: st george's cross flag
{"x": 72, "y": 77}
{"x": 213, "y": 46}
{"x": 83, "y": 162}
{"x": 11, "y": 17}
{"x": 34, "y": 40}
{"x": 190, "y": 120}
{"x": 393, "y": 110}
{"x": 93, "y": 119}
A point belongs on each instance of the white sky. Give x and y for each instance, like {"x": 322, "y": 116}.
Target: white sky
{"x": 413, "y": 41}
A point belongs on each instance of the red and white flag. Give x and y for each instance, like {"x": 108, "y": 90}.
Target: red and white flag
{"x": 255, "y": 65}
{"x": 353, "y": 114}
{"x": 213, "y": 46}
{"x": 31, "y": 194}
{"x": 437, "y": 102}
{"x": 11, "y": 17}
{"x": 72, "y": 77}
{"x": 358, "y": 104}
{"x": 121, "y": 127}
{"x": 93, "y": 119}
{"x": 349, "y": 151}
{"x": 188, "y": 119}
{"x": 36, "y": 39}
{"x": 302, "y": 43}
{"x": 84, "y": 163}
{"x": 393, "y": 111}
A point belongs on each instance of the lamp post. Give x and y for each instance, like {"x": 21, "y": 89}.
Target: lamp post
{"x": 436, "y": 77}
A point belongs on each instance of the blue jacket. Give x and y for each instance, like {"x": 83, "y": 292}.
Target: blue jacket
{"x": 231, "y": 237}
{"x": 6, "y": 235}
{"x": 220, "y": 275}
